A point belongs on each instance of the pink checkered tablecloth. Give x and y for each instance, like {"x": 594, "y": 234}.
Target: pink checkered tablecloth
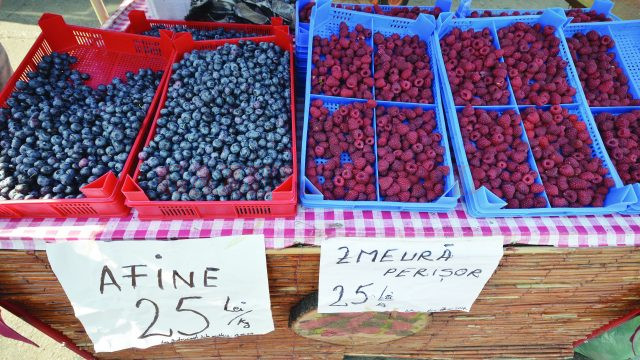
{"x": 311, "y": 226}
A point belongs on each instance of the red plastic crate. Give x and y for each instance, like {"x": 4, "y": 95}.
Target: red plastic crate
{"x": 284, "y": 197}
{"x": 138, "y": 23}
{"x": 104, "y": 55}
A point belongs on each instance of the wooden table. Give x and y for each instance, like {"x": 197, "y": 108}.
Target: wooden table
{"x": 538, "y": 302}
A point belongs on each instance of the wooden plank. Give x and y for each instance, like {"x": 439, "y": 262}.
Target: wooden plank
{"x": 539, "y": 300}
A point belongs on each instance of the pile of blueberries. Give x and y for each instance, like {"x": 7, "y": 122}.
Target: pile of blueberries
{"x": 58, "y": 134}
{"x": 199, "y": 34}
{"x": 225, "y": 130}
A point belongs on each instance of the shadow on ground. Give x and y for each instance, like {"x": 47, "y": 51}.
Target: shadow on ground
{"x": 77, "y": 12}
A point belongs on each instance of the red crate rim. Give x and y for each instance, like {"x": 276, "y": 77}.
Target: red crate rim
{"x": 138, "y": 23}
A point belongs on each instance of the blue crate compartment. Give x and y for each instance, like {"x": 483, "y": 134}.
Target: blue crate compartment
{"x": 325, "y": 23}
{"x": 634, "y": 208}
{"x": 600, "y": 6}
{"x": 483, "y": 203}
{"x": 626, "y": 36}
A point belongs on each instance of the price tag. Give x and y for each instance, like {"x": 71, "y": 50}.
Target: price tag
{"x": 143, "y": 293}
{"x": 417, "y": 275}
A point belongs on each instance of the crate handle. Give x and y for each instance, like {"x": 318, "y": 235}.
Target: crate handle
{"x": 603, "y": 6}
{"x": 624, "y": 195}
{"x": 489, "y": 199}
{"x": 445, "y": 19}
{"x": 463, "y": 8}
{"x": 276, "y": 21}
{"x": 102, "y": 187}
{"x": 139, "y": 22}
{"x": 424, "y": 23}
{"x": 56, "y": 31}
{"x": 313, "y": 192}
{"x": 132, "y": 191}
{"x": 444, "y": 5}
{"x": 553, "y": 18}
{"x": 321, "y": 11}
{"x": 284, "y": 191}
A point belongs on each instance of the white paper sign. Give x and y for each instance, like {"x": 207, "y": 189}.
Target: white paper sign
{"x": 143, "y": 293}
{"x": 425, "y": 275}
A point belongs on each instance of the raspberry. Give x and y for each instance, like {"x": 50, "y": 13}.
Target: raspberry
{"x": 404, "y": 184}
{"x": 418, "y": 191}
{"x": 404, "y": 196}
{"x": 522, "y": 188}
{"x": 385, "y": 182}
{"x": 537, "y": 188}
{"x": 508, "y": 190}
{"x": 578, "y": 184}
{"x": 360, "y": 163}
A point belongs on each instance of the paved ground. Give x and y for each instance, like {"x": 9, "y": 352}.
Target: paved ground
{"x": 18, "y": 21}
{"x": 14, "y": 350}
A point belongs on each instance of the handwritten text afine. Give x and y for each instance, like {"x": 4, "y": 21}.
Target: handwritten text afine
{"x": 132, "y": 275}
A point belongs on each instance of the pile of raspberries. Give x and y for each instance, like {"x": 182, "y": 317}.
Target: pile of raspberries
{"x": 621, "y": 136}
{"x": 536, "y": 70}
{"x": 410, "y": 155}
{"x": 343, "y": 64}
{"x": 498, "y": 157}
{"x": 402, "y": 69}
{"x": 340, "y": 157}
{"x": 603, "y": 80}
{"x": 476, "y": 75}
{"x": 571, "y": 175}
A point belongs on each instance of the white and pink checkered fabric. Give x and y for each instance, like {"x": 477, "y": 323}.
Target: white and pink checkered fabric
{"x": 311, "y": 226}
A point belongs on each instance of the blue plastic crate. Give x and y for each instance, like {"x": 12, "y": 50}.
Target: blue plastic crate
{"x": 634, "y": 208}
{"x": 626, "y": 36}
{"x": 600, "y": 6}
{"x": 328, "y": 20}
{"x": 481, "y": 202}
{"x": 302, "y": 28}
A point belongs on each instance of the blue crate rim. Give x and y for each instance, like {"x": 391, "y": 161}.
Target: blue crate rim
{"x": 600, "y": 6}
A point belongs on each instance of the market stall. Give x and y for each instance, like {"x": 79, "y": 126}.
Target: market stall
{"x": 560, "y": 277}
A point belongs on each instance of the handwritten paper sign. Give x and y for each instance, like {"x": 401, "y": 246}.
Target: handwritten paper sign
{"x": 143, "y": 293}
{"x": 374, "y": 274}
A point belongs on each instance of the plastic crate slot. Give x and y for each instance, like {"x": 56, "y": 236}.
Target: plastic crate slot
{"x": 253, "y": 210}
{"x": 89, "y": 39}
{"x": 178, "y": 211}
{"x": 145, "y": 47}
{"x": 75, "y": 209}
